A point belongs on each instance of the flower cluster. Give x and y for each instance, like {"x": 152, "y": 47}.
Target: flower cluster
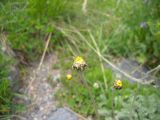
{"x": 79, "y": 64}
{"x": 118, "y": 84}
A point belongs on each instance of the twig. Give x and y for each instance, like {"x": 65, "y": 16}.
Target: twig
{"x": 42, "y": 58}
{"x": 156, "y": 69}
{"x": 20, "y": 117}
{"x": 8, "y": 117}
{"x": 44, "y": 52}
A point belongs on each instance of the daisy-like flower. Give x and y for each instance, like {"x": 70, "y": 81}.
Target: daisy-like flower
{"x": 69, "y": 76}
{"x": 118, "y": 84}
{"x": 96, "y": 85}
{"x": 79, "y": 64}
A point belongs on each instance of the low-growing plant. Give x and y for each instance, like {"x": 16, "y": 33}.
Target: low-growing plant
{"x": 27, "y": 26}
{"x": 129, "y": 102}
{"x": 5, "y": 89}
{"x": 47, "y": 8}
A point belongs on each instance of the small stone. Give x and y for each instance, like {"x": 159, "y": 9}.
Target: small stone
{"x": 41, "y": 108}
{"x": 35, "y": 118}
{"x": 62, "y": 114}
{"x": 44, "y": 117}
{"x": 132, "y": 68}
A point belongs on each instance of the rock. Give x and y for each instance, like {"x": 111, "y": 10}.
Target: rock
{"x": 56, "y": 76}
{"x": 14, "y": 73}
{"x": 14, "y": 77}
{"x": 133, "y": 68}
{"x": 62, "y": 114}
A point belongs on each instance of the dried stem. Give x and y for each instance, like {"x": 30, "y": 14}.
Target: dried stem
{"x": 44, "y": 52}
{"x": 100, "y": 59}
{"x": 42, "y": 59}
{"x": 84, "y": 6}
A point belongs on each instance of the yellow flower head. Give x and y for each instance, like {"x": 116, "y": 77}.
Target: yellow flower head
{"x": 79, "y": 63}
{"x": 118, "y": 84}
{"x": 69, "y": 76}
{"x": 79, "y": 60}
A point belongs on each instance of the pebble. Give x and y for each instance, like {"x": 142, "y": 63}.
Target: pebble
{"x": 132, "y": 68}
{"x": 62, "y": 114}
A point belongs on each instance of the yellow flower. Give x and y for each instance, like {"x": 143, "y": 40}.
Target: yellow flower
{"x": 118, "y": 84}
{"x": 79, "y": 64}
{"x": 69, "y": 76}
{"x": 79, "y": 60}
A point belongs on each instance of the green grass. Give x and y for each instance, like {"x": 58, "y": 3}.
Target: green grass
{"x": 121, "y": 28}
{"x": 49, "y": 9}
{"x": 26, "y": 27}
{"x": 113, "y": 28}
{"x": 5, "y": 89}
{"x": 127, "y": 101}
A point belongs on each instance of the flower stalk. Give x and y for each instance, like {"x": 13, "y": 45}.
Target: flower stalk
{"x": 84, "y": 82}
{"x": 113, "y": 104}
{"x": 80, "y": 65}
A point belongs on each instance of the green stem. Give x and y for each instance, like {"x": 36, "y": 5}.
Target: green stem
{"x": 104, "y": 77}
{"x": 91, "y": 95}
{"x": 113, "y": 103}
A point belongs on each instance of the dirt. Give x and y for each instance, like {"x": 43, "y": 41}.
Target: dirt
{"x": 39, "y": 91}
{"x": 40, "y": 99}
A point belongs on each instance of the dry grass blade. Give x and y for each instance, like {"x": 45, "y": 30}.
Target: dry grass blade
{"x": 45, "y": 49}
{"x": 6, "y": 48}
{"x": 84, "y": 6}
{"x": 140, "y": 80}
{"x": 99, "y": 53}
{"x": 40, "y": 64}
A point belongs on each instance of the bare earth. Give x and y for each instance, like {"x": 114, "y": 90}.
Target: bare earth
{"x": 40, "y": 92}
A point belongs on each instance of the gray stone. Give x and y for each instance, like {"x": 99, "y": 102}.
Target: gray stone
{"x": 14, "y": 77}
{"x": 62, "y": 114}
{"x": 133, "y": 68}
{"x": 14, "y": 73}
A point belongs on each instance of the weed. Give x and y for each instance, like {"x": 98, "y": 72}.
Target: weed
{"x": 5, "y": 89}
{"x": 118, "y": 28}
